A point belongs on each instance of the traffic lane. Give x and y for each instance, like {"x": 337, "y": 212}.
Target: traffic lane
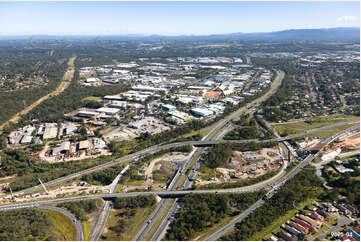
{"x": 290, "y": 175}
{"x": 159, "y": 148}
{"x": 224, "y": 230}
{"x": 151, "y": 220}
{"x": 102, "y": 220}
{"x": 77, "y": 223}
{"x": 188, "y": 182}
{"x": 153, "y": 149}
{"x": 165, "y": 223}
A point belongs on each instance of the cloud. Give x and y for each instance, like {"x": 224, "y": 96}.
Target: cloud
{"x": 346, "y": 19}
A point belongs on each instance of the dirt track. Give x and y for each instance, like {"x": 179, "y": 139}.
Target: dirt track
{"x": 66, "y": 80}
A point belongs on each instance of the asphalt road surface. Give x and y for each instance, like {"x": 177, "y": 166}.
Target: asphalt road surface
{"x": 157, "y": 148}
{"x": 78, "y": 225}
{"x": 106, "y": 209}
{"x": 217, "y": 133}
{"x": 168, "y": 194}
{"x": 227, "y": 228}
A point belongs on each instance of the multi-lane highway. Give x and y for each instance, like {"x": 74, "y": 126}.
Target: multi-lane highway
{"x": 107, "y": 208}
{"x": 227, "y": 228}
{"x": 153, "y": 149}
{"x": 78, "y": 225}
{"x": 157, "y": 148}
{"x": 167, "y": 194}
{"x": 212, "y": 138}
{"x": 165, "y": 202}
{"x": 221, "y": 128}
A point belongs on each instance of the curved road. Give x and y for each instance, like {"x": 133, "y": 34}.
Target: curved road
{"x": 78, "y": 225}
{"x": 227, "y": 228}
{"x": 218, "y": 130}
{"x": 167, "y": 194}
{"x": 156, "y": 148}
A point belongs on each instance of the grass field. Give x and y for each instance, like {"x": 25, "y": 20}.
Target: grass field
{"x": 91, "y": 98}
{"x": 329, "y": 132}
{"x": 133, "y": 224}
{"x": 300, "y": 126}
{"x": 64, "y": 227}
{"x": 87, "y": 232}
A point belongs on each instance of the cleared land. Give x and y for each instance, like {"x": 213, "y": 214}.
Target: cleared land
{"x": 329, "y": 132}
{"x": 289, "y": 128}
{"x": 91, "y": 98}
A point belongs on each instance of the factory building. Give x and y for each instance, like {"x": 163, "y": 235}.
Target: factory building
{"x": 108, "y": 111}
{"x": 149, "y": 89}
{"x": 112, "y": 98}
{"x": 48, "y": 130}
{"x": 201, "y": 112}
{"x": 26, "y": 139}
{"x": 86, "y": 114}
{"x": 63, "y": 148}
{"x": 168, "y": 108}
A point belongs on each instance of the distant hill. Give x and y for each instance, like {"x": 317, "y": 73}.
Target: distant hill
{"x": 330, "y": 34}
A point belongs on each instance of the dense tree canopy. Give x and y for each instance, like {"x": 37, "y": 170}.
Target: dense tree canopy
{"x": 25, "y": 224}
{"x": 200, "y": 211}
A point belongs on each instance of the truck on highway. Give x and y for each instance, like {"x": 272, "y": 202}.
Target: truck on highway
{"x": 267, "y": 196}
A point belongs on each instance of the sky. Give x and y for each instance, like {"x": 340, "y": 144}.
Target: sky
{"x": 171, "y": 18}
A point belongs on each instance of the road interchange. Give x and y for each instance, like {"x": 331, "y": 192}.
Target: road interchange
{"x": 206, "y": 141}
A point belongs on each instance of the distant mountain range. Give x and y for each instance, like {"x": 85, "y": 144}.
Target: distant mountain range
{"x": 330, "y": 34}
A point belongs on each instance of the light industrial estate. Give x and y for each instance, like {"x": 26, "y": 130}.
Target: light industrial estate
{"x": 184, "y": 138}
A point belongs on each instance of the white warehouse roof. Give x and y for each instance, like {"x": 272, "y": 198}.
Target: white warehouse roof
{"x": 202, "y": 112}
{"x": 108, "y": 110}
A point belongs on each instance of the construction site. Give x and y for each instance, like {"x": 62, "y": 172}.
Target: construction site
{"x": 73, "y": 188}
{"x": 120, "y": 134}
{"x": 247, "y": 165}
{"x": 342, "y": 146}
{"x": 68, "y": 150}
{"x": 158, "y": 172}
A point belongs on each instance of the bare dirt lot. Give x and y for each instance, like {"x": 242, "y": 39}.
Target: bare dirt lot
{"x": 247, "y": 165}
{"x": 347, "y": 144}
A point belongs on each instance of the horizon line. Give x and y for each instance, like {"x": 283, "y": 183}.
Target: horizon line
{"x": 176, "y": 35}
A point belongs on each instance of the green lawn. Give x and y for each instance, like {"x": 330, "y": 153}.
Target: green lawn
{"x": 298, "y": 127}
{"x": 91, "y": 98}
{"x": 87, "y": 232}
{"x": 64, "y": 227}
{"x": 321, "y": 231}
{"x": 134, "y": 182}
{"x": 329, "y": 132}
